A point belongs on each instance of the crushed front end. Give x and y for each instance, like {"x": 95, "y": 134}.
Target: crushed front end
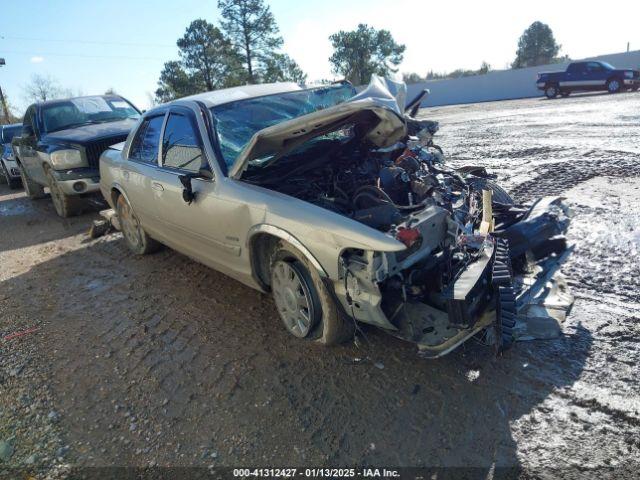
{"x": 475, "y": 264}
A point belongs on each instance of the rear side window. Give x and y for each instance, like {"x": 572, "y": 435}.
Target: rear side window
{"x": 181, "y": 146}
{"x": 576, "y": 67}
{"x": 594, "y": 67}
{"x": 144, "y": 147}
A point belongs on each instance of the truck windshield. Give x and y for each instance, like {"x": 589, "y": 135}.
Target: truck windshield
{"x": 237, "y": 122}
{"x": 608, "y": 66}
{"x": 76, "y": 112}
{"x": 9, "y": 132}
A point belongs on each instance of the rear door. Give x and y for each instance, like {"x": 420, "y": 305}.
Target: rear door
{"x": 204, "y": 228}
{"x": 140, "y": 167}
{"x": 596, "y": 76}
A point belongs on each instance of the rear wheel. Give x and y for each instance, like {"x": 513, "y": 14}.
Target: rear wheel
{"x": 551, "y": 91}
{"x": 614, "y": 85}
{"x": 138, "y": 241}
{"x": 66, "y": 205}
{"x": 306, "y": 307}
{"x": 32, "y": 189}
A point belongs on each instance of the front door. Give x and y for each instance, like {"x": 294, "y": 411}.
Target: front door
{"x": 203, "y": 229}
{"x": 28, "y": 148}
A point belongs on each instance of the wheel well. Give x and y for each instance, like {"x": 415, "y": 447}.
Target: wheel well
{"x": 115, "y": 193}
{"x": 261, "y": 248}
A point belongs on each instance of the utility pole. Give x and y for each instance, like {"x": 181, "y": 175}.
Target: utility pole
{"x": 3, "y": 102}
{"x": 627, "y": 47}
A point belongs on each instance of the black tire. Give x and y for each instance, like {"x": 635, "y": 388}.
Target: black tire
{"x": 4, "y": 176}
{"x": 328, "y": 325}
{"x": 32, "y": 189}
{"x": 500, "y": 195}
{"x": 65, "y": 205}
{"x": 614, "y": 85}
{"x": 138, "y": 241}
{"x": 15, "y": 183}
{"x": 551, "y": 91}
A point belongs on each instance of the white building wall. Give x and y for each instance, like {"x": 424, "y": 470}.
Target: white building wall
{"x": 503, "y": 84}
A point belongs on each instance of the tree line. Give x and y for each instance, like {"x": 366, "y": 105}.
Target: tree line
{"x": 246, "y": 48}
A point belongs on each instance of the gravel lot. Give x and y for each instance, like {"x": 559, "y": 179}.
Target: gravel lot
{"x": 161, "y": 361}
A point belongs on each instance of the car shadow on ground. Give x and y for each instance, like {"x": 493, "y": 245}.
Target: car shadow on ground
{"x": 183, "y": 349}
{"x": 26, "y": 222}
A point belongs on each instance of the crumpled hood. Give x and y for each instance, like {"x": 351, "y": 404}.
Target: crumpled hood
{"x": 376, "y": 100}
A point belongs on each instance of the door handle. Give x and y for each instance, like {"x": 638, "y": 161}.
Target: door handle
{"x": 157, "y": 186}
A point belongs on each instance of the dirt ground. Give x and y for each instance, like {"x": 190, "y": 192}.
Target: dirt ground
{"x": 158, "y": 360}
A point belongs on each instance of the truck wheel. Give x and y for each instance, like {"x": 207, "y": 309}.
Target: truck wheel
{"x": 134, "y": 235}
{"x": 66, "y": 205}
{"x": 306, "y": 307}
{"x": 4, "y": 176}
{"x": 32, "y": 189}
{"x": 551, "y": 91}
{"x": 614, "y": 85}
{"x": 500, "y": 195}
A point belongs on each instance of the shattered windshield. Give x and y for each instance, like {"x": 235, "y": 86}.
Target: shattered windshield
{"x": 76, "y": 112}
{"x": 238, "y": 121}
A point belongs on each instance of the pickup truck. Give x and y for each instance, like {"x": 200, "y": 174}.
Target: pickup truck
{"x": 61, "y": 142}
{"x": 588, "y": 76}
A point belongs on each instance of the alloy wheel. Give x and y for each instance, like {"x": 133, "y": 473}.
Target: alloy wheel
{"x": 129, "y": 224}
{"x": 293, "y": 298}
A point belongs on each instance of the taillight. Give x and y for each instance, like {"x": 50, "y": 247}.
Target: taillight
{"x": 408, "y": 236}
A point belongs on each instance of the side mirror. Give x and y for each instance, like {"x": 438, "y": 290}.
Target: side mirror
{"x": 27, "y": 131}
{"x": 188, "y": 195}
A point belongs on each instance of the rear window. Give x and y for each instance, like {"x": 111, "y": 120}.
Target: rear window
{"x": 9, "y": 132}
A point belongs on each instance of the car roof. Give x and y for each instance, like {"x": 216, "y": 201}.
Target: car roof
{"x": 61, "y": 100}
{"x": 227, "y": 95}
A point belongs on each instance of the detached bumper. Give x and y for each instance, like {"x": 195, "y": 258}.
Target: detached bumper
{"x": 78, "y": 180}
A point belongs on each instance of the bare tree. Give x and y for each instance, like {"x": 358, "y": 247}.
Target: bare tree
{"x": 42, "y": 88}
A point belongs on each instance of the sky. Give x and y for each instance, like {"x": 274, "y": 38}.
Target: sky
{"x": 91, "y": 46}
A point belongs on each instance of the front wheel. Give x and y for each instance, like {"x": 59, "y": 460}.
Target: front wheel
{"x": 304, "y": 303}
{"x": 614, "y": 85}
{"x": 551, "y": 91}
{"x": 138, "y": 241}
{"x": 66, "y": 205}
{"x": 32, "y": 189}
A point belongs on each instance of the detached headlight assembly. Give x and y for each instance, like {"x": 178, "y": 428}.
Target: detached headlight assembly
{"x": 628, "y": 74}
{"x": 67, "y": 159}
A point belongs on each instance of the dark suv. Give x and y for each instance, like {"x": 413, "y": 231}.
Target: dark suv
{"x": 61, "y": 142}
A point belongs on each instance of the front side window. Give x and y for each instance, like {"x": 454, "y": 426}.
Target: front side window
{"x": 29, "y": 119}
{"x": 80, "y": 111}
{"x": 144, "y": 147}
{"x": 181, "y": 146}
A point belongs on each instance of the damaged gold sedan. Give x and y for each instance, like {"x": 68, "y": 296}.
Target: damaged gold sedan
{"x": 340, "y": 205}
